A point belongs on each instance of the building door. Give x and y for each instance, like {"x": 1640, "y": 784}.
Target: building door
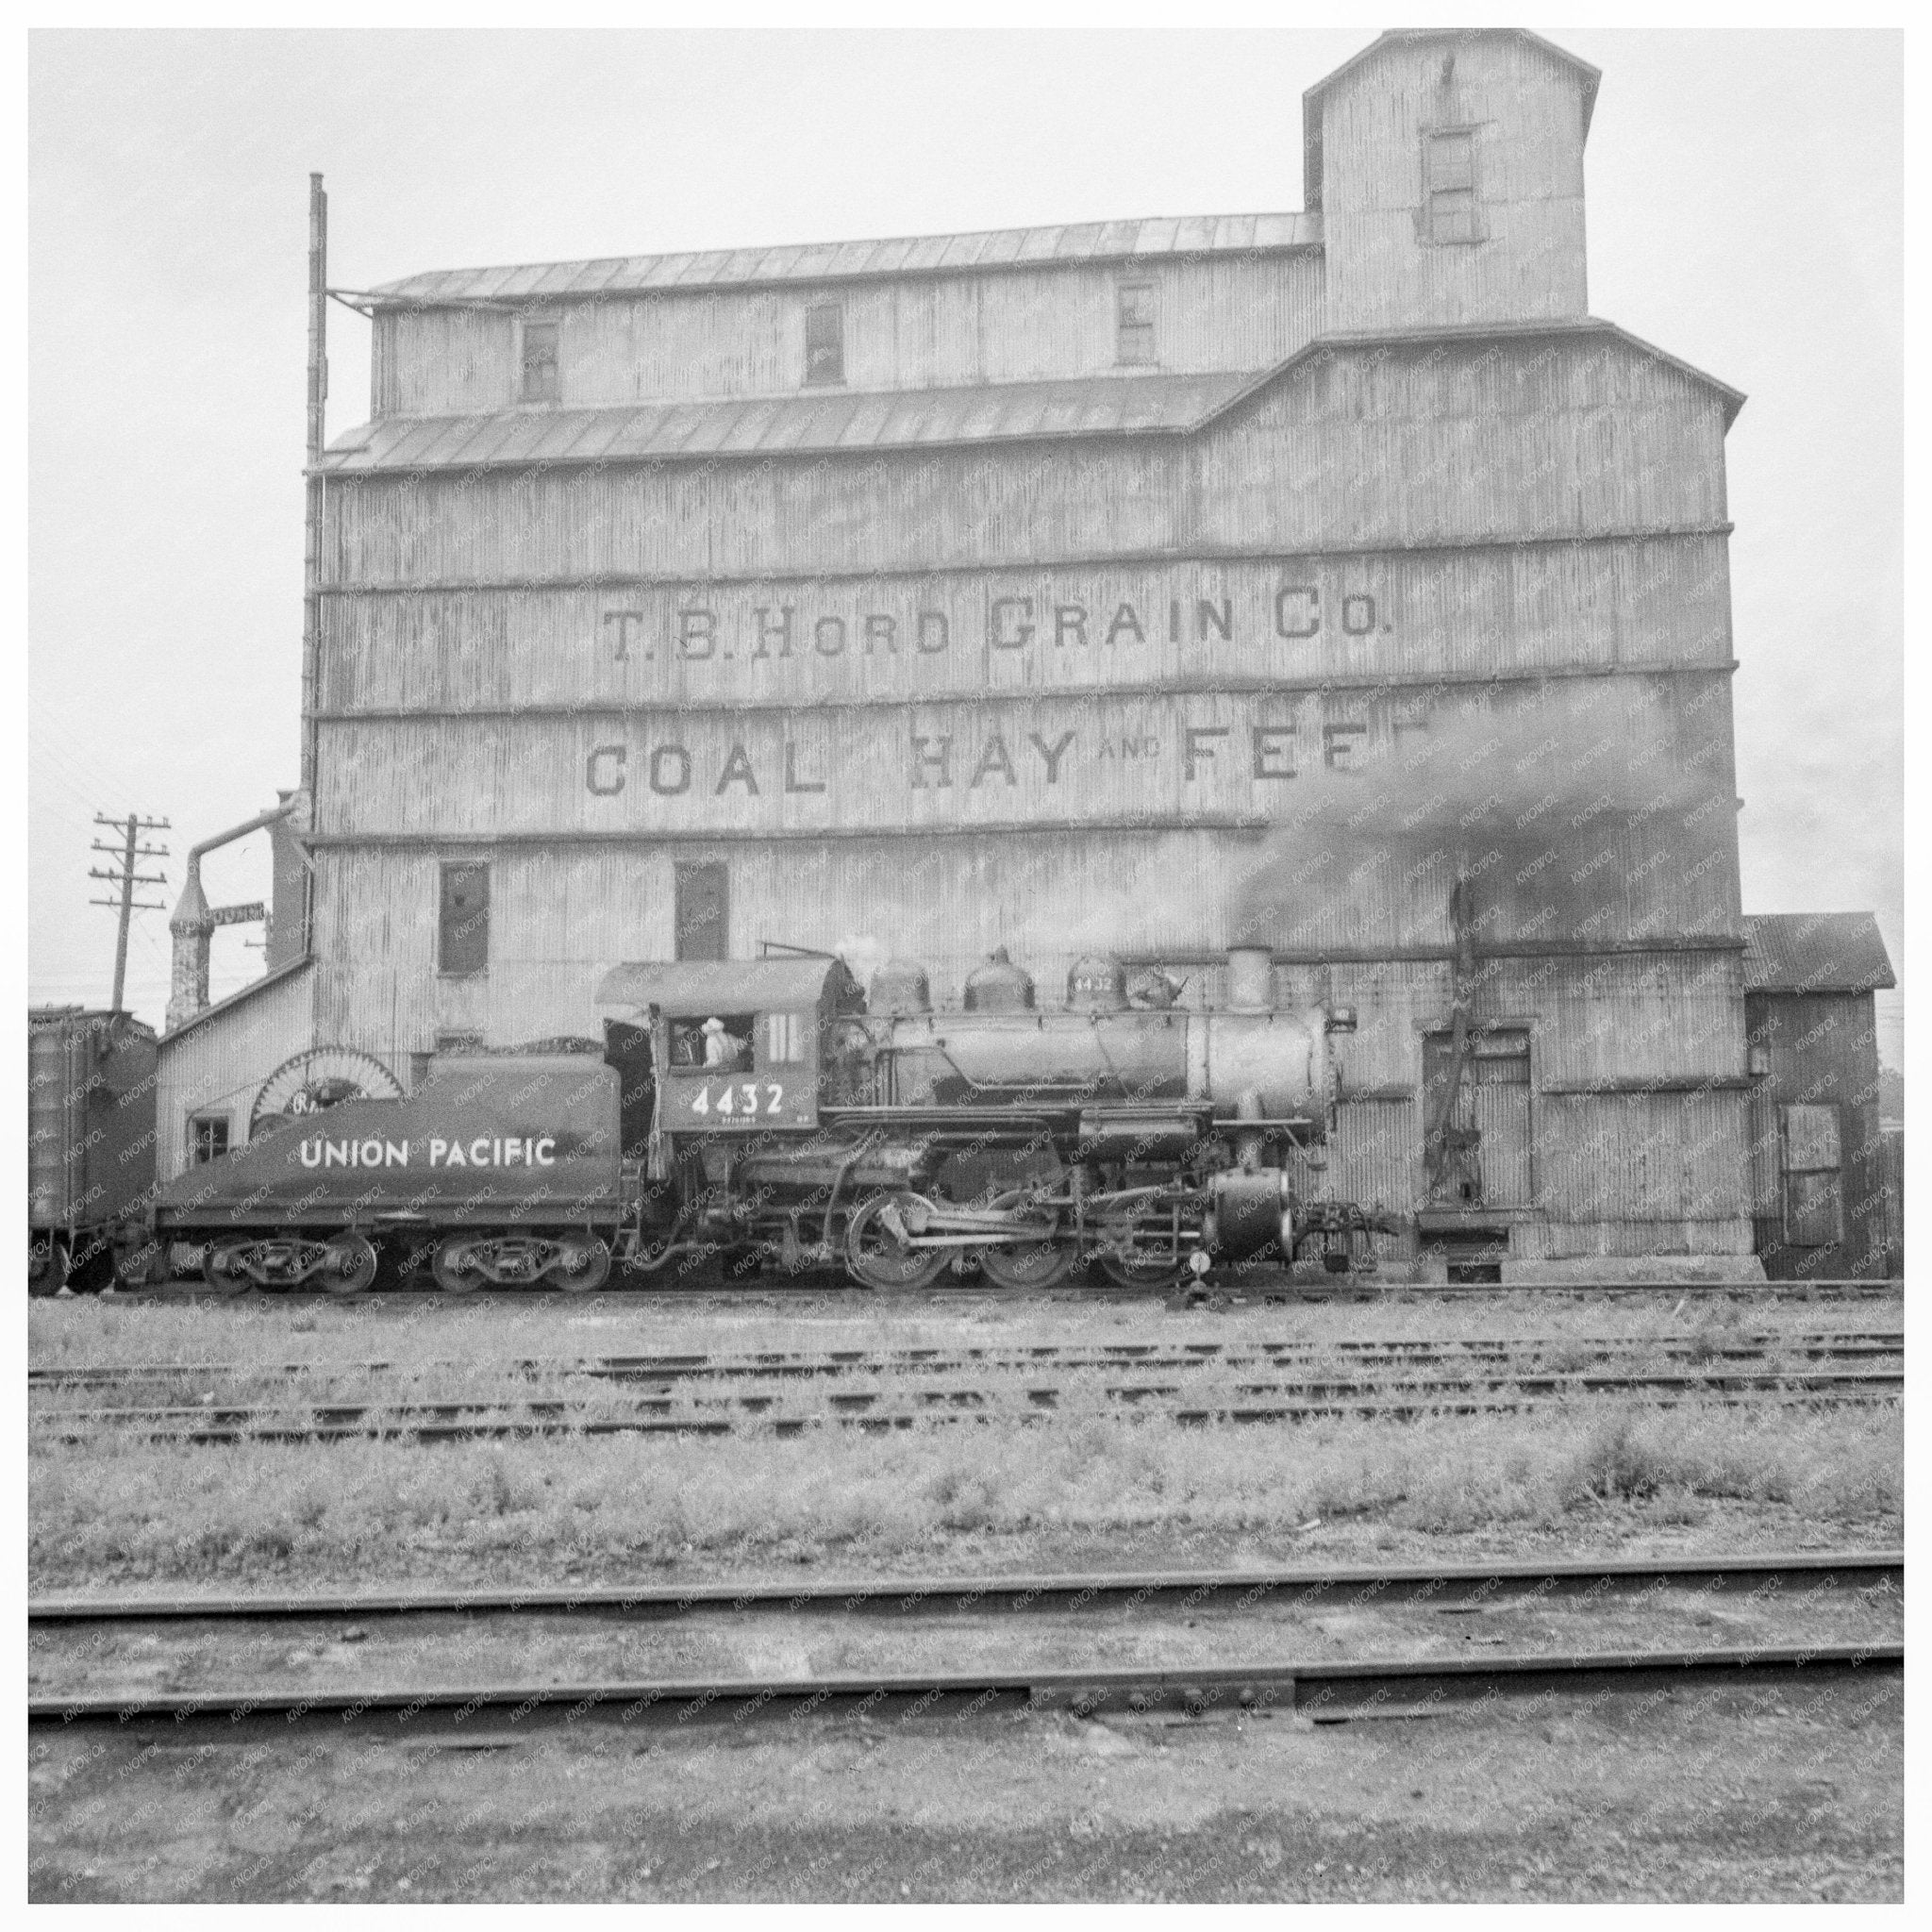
{"x": 1813, "y": 1197}
{"x": 703, "y": 912}
{"x": 1483, "y": 1158}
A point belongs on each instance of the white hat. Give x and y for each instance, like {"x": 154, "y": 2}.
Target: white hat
{"x": 712, "y": 1025}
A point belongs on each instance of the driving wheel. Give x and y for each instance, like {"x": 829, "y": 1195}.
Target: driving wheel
{"x": 878, "y": 1257}
{"x": 1026, "y": 1264}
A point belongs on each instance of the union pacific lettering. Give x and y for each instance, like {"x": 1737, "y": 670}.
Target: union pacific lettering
{"x": 517, "y": 1150}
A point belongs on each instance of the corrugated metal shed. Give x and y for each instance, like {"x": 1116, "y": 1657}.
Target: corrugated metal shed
{"x": 1118, "y": 405}
{"x": 834, "y": 261}
{"x": 1814, "y": 952}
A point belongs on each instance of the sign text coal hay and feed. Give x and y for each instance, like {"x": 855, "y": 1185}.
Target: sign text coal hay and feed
{"x": 1108, "y": 753}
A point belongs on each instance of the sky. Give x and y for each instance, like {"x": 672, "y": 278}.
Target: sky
{"x": 1745, "y": 213}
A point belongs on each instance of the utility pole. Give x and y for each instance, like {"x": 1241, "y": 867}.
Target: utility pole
{"x": 123, "y": 874}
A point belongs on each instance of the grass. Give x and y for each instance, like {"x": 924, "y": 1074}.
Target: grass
{"x": 116, "y": 1511}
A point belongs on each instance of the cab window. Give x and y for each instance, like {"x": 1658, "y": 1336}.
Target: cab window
{"x": 713, "y": 1042}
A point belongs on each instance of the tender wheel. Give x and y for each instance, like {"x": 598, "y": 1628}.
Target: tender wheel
{"x": 583, "y": 1266}
{"x": 876, "y": 1258}
{"x": 350, "y": 1264}
{"x": 222, "y": 1269}
{"x": 453, "y": 1266}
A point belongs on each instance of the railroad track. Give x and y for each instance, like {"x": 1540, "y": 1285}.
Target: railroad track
{"x": 1497, "y": 1584}
{"x": 1529, "y": 1351}
{"x": 900, "y": 1408}
{"x": 807, "y": 1295}
{"x": 1324, "y": 1689}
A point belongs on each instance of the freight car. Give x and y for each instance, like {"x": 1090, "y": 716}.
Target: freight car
{"x": 91, "y": 1141}
{"x": 769, "y": 1109}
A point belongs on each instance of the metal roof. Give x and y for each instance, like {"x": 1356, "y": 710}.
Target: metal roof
{"x": 1814, "y": 952}
{"x": 818, "y": 422}
{"x": 687, "y": 987}
{"x": 1147, "y": 239}
{"x": 811, "y": 422}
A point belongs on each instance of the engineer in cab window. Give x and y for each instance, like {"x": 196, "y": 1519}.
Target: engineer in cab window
{"x": 722, "y": 1049}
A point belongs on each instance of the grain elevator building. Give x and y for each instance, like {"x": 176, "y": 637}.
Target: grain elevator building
{"x": 1331, "y": 581}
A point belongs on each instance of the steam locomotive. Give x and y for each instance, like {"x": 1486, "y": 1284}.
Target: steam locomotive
{"x": 771, "y": 1111}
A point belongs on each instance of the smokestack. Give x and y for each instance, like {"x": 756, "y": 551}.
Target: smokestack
{"x": 193, "y": 930}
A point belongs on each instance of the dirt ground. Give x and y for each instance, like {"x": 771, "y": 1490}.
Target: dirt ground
{"x": 1735, "y": 1795}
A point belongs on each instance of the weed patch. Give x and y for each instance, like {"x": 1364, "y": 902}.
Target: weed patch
{"x": 112, "y": 1511}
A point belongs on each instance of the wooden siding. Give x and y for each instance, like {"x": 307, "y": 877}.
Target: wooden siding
{"x": 1360, "y": 448}
{"x": 1658, "y": 1017}
{"x": 1238, "y": 312}
{"x": 1635, "y": 1158}
{"x": 1524, "y": 108}
{"x": 1490, "y": 612}
{"x": 1587, "y": 808}
{"x": 218, "y": 1066}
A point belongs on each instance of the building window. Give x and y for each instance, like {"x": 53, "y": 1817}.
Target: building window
{"x": 824, "y": 343}
{"x": 702, "y": 911}
{"x": 462, "y": 939}
{"x": 207, "y": 1137}
{"x": 1449, "y": 186}
{"x": 1134, "y": 315}
{"x": 540, "y": 362}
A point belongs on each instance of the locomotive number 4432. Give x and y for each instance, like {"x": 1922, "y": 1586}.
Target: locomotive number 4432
{"x": 738, "y": 1097}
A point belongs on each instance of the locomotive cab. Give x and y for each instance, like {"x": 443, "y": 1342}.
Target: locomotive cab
{"x": 736, "y": 1045}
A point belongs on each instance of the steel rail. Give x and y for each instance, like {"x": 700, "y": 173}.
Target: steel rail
{"x": 1330, "y": 1689}
{"x": 1500, "y": 1584}
{"x": 1854, "y": 1344}
{"x": 1336, "y": 1289}
{"x": 480, "y": 1422}
{"x": 1829, "y": 1382}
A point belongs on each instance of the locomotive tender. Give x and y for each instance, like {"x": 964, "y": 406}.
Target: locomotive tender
{"x": 769, "y": 1108}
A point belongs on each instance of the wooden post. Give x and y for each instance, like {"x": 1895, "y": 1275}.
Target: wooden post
{"x": 318, "y": 400}
{"x": 125, "y": 876}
